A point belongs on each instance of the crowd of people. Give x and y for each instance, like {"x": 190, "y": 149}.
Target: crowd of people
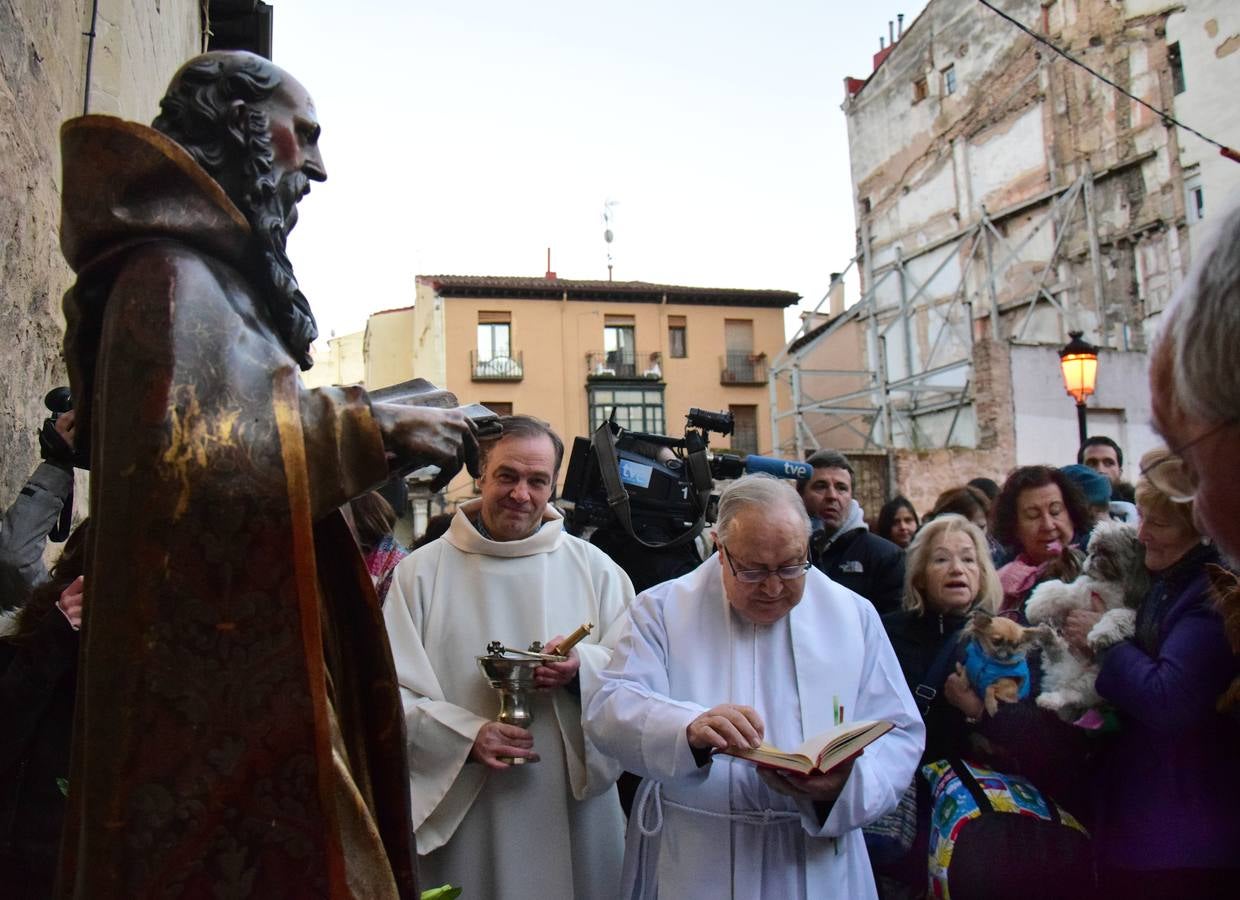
{"x": 236, "y": 681}
{"x": 1156, "y": 782}
{"x": 1155, "y": 785}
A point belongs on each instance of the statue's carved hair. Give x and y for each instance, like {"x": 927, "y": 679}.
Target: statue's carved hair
{"x": 198, "y": 113}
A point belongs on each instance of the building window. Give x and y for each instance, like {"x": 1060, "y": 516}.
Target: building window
{"x": 949, "y": 80}
{"x": 494, "y": 360}
{"x": 1196, "y": 199}
{"x": 620, "y": 345}
{"x": 494, "y": 336}
{"x": 738, "y": 336}
{"x": 745, "y": 428}
{"x": 500, "y": 409}
{"x": 1176, "y": 64}
{"x": 921, "y": 90}
{"x": 677, "y": 343}
{"x": 636, "y": 408}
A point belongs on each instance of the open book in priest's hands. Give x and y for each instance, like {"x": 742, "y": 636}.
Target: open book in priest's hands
{"x": 821, "y": 753}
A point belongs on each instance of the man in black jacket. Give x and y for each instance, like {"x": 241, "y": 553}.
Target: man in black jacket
{"x": 842, "y": 546}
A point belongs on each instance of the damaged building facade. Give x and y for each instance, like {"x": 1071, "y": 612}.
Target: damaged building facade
{"x": 1004, "y": 197}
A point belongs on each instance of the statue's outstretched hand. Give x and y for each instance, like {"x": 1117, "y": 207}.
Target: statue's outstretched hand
{"x": 424, "y": 435}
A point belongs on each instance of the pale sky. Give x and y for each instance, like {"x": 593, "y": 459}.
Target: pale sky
{"x": 467, "y": 137}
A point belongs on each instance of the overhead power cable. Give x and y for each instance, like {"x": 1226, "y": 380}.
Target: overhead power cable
{"x": 1166, "y": 117}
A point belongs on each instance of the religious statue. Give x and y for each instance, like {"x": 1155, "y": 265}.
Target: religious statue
{"x": 238, "y": 730}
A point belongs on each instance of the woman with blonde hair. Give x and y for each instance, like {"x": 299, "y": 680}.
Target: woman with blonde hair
{"x": 948, "y": 574}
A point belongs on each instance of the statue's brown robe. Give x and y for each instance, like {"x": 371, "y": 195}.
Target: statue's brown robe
{"x": 238, "y": 729}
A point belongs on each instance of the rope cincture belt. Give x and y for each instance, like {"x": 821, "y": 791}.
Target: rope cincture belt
{"x": 653, "y": 791}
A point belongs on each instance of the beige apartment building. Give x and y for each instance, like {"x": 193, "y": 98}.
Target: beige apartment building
{"x": 571, "y": 351}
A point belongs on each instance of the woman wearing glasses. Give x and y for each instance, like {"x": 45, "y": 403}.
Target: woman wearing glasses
{"x": 1169, "y": 784}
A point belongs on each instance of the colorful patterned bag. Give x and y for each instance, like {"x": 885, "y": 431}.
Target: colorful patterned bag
{"x": 997, "y": 835}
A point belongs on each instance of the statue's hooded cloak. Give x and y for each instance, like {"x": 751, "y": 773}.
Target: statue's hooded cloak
{"x": 238, "y": 727}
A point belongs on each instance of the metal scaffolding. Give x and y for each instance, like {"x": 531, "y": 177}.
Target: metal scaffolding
{"x": 921, "y": 313}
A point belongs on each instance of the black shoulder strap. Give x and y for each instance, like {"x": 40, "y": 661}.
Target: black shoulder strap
{"x": 965, "y": 774}
{"x": 932, "y": 682}
{"x": 979, "y": 796}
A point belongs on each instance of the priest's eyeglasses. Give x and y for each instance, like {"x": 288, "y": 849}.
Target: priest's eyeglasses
{"x": 757, "y": 576}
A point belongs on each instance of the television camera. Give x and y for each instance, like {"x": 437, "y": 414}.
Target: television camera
{"x": 659, "y": 488}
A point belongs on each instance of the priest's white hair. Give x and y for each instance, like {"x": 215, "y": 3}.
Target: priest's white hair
{"x": 759, "y": 490}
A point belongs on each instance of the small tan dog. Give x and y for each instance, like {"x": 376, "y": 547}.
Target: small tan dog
{"x": 994, "y": 659}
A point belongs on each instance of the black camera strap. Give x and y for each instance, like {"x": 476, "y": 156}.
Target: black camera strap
{"x": 606, "y": 452}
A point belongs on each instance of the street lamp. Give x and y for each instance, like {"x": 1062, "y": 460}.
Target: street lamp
{"x": 1079, "y": 363}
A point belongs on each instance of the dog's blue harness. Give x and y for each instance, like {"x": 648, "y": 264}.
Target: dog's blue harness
{"x": 983, "y": 671}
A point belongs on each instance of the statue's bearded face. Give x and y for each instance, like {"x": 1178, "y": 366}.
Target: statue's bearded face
{"x": 284, "y": 157}
{"x": 295, "y": 160}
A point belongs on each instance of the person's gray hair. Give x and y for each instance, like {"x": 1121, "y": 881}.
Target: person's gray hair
{"x": 1202, "y": 328}
{"x": 760, "y": 490}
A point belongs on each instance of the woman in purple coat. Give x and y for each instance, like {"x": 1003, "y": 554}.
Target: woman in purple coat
{"x": 1168, "y": 787}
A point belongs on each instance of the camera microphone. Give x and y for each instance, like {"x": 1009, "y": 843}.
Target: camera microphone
{"x": 780, "y": 468}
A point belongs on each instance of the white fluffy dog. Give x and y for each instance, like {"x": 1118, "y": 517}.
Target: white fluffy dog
{"x": 1115, "y": 571}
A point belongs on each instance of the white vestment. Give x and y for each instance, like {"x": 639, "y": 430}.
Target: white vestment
{"x": 717, "y": 831}
{"x": 547, "y": 829}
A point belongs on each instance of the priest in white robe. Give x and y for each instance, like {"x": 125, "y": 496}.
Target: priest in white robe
{"x": 752, "y": 645}
{"x": 507, "y": 571}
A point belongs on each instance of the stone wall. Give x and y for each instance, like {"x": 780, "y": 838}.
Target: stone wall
{"x": 43, "y": 52}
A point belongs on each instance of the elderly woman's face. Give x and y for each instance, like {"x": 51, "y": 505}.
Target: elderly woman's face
{"x": 953, "y": 573}
{"x": 1167, "y": 539}
{"x": 1043, "y": 526}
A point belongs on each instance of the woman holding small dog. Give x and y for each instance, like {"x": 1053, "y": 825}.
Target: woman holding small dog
{"x": 1036, "y": 514}
{"x": 1168, "y": 786}
{"x": 950, "y": 580}
{"x": 948, "y": 576}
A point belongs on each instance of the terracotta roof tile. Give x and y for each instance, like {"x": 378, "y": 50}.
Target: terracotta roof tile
{"x": 517, "y": 287}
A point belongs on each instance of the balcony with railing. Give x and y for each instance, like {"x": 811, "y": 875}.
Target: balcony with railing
{"x": 742, "y": 367}
{"x": 496, "y": 368}
{"x": 624, "y": 364}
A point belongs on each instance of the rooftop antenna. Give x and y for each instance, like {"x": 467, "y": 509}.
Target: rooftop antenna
{"x": 609, "y": 219}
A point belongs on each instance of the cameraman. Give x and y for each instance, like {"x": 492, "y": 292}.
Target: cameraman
{"x": 25, "y": 525}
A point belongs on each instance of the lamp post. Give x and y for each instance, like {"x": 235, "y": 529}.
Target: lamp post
{"x": 1079, "y": 363}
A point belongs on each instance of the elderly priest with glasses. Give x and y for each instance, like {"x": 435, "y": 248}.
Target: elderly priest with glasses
{"x": 753, "y": 647}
